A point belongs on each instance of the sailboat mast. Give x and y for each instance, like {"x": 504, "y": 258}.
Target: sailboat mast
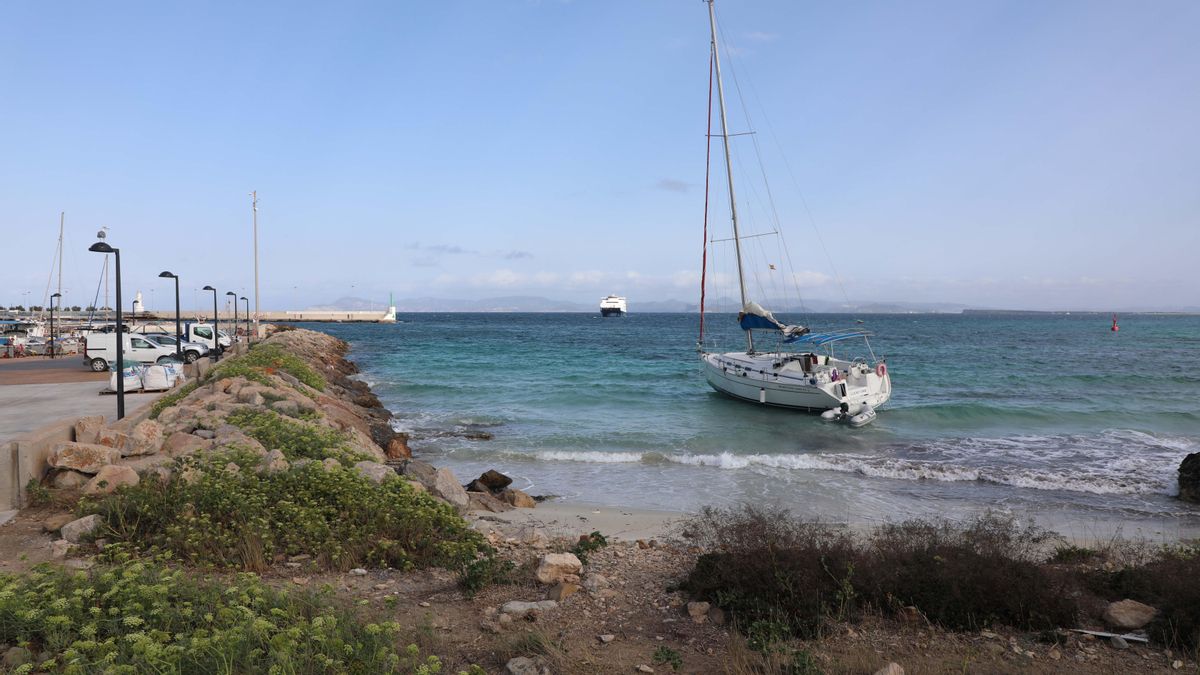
{"x": 737, "y": 242}
{"x": 62, "y": 219}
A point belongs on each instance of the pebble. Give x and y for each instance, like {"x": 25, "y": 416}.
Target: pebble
{"x": 1119, "y": 642}
{"x": 645, "y": 669}
{"x": 607, "y": 638}
{"x": 358, "y": 572}
{"x": 423, "y": 604}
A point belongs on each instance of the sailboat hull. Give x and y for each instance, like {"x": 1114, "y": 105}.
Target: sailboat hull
{"x": 793, "y": 381}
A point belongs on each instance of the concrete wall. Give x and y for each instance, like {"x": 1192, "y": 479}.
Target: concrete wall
{"x": 25, "y": 459}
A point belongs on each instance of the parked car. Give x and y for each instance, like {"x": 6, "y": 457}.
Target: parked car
{"x": 189, "y": 350}
{"x": 100, "y": 350}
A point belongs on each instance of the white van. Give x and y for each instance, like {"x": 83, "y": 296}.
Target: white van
{"x": 203, "y": 333}
{"x": 100, "y": 350}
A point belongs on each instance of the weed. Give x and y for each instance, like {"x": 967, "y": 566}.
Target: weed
{"x": 1069, "y": 554}
{"x": 268, "y": 358}
{"x": 38, "y": 494}
{"x": 588, "y": 543}
{"x": 486, "y": 570}
{"x": 664, "y": 655}
{"x": 297, "y": 440}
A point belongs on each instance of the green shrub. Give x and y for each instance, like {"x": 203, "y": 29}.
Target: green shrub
{"x": 588, "y": 543}
{"x": 664, "y": 655}
{"x": 208, "y": 514}
{"x": 486, "y": 570}
{"x": 38, "y": 494}
{"x": 264, "y": 360}
{"x": 1167, "y": 582}
{"x": 168, "y": 400}
{"x": 297, "y": 440}
{"x": 1069, "y": 554}
{"x": 148, "y": 617}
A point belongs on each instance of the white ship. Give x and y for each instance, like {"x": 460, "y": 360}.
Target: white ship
{"x": 613, "y": 305}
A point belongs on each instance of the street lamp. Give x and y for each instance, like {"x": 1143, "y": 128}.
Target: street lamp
{"x": 50, "y": 345}
{"x": 178, "y": 328}
{"x": 234, "y": 295}
{"x": 216, "y": 335}
{"x": 102, "y": 247}
{"x": 245, "y": 300}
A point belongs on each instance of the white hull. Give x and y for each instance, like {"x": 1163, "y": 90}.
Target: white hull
{"x": 790, "y": 380}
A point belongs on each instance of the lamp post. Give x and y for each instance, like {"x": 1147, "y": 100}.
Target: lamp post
{"x": 234, "y": 295}
{"x": 247, "y": 301}
{"x": 178, "y": 327}
{"x": 50, "y": 345}
{"x": 102, "y": 247}
{"x": 216, "y": 334}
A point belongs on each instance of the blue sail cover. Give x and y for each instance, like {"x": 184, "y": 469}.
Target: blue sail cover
{"x": 825, "y": 338}
{"x": 754, "y": 317}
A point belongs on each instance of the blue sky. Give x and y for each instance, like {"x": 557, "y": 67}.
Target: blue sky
{"x": 1006, "y": 154}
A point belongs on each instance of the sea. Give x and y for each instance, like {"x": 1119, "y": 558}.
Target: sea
{"x": 1052, "y": 418}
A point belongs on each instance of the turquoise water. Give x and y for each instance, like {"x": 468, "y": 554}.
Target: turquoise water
{"x": 1054, "y": 417}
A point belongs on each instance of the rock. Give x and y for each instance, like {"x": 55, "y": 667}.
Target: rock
{"x": 358, "y": 572}
{"x": 69, "y": 480}
{"x": 607, "y": 638}
{"x": 250, "y": 396}
{"x": 519, "y": 610}
{"x": 1189, "y": 478}
{"x": 717, "y": 616}
{"x": 484, "y": 501}
{"x": 331, "y": 464}
{"x": 1118, "y": 642}
{"x": 523, "y": 665}
{"x": 423, "y": 472}
{"x": 76, "y": 530}
{"x": 494, "y": 480}
{"x": 82, "y": 457}
{"x": 233, "y": 468}
{"x": 698, "y": 611}
{"x": 374, "y": 471}
{"x": 145, "y": 439}
{"x": 595, "y": 582}
{"x": 55, "y": 523}
{"x": 206, "y": 434}
{"x": 643, "y": 668}
{"x": 59, "y": 549}
{"x": 446, "y": 486}
{"x": 397, "y": 447}
{"x": 477, "y": 486}
{"x": 562, "y": 591}
{"x": 109, "y": 478}
{"x": 1128, "y": 614}
{"x": 180, "y": 444}
{"x": 286, "y": 407}
{"x": 16, "y": 656}
{"x": 273, "y": 462}
{"x": 86, "y": 428}
{"x": 892, "y": 668}
{"x": 556, "y": 566}
{"x": 518, "y": 498}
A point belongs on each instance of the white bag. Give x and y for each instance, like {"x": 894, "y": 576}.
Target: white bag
{"x": 133, "y": 378}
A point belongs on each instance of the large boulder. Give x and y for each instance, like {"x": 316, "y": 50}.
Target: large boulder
{"x": 67, "y": 479}
{"x": 446, "y": 486}
{"x": 76, "y": 530}
{"x": 86, "y": 428}
{"x": 494, "y": 480}
{"x": 397, "y": 447}
{"x": 145, "y": 439}
{"x": 180, "y": 444}
{"x": 273, "y": 462}
{"x": 82, "y": 457}
{"x": 1128, "y": 614}
{"x": 1189, "y": 478}
{"x": 518, "y": 498}
{"x": 109, "y": 478}
{"x": 557, "y": 567}
{"x": 484, "y": 501}
{"x": 422, "y": 472}
{"x": 374, "y": 471}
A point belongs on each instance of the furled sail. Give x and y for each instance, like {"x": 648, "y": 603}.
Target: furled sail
{"x": 754, "y": 316}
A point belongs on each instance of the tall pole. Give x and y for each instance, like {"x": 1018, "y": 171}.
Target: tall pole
{"x": 178, "y": 326}
{"x": 120, "y": 344}
{"x": 62, "y": 219}
{"x": 737, "y": 242}
{"x": 254, "y": 206}
{"x": 106, "y": 305}
{"x": 50, "y": 344}
{"x": 247, "y": 302}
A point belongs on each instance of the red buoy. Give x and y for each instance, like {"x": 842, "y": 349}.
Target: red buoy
{"x": 1115, "y": 327}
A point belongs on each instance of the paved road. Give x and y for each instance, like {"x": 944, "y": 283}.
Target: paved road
{"x": 41, "y": 370}
{"x": 25, "y": 407}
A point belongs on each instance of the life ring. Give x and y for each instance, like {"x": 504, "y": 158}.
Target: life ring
{"x": 881, "y": 370}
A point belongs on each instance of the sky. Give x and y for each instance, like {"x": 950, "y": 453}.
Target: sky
{"x": 1021, "y": 154}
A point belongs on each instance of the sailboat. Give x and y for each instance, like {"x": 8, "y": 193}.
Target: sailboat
{"x": 799, "y": 370}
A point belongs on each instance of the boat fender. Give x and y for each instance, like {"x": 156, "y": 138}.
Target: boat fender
{"x": 830, "y": 415}
{"x": 833, "y": 375}
{"x": 881, "y": 369}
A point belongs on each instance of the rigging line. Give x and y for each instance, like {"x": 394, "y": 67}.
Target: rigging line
{"x": 707, "y": 171}
{"x": 744, "y": 237}
{"x": 812, "y": 221}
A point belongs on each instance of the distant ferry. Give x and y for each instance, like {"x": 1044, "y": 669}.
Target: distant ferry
{"x": 612, "y": 306}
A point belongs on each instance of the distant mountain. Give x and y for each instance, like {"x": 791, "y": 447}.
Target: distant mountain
{"x": 513, "y": 303}
{"x": 350, "y": 305}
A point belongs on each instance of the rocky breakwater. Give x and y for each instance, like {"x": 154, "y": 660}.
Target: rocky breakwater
{"x": 1189, "y": 478}
{"x": 288, "y": 395}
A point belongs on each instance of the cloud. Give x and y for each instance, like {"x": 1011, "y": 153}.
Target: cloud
{"x": 501, "y": 277}
{"x": 587, "y": 277}
{"x": 672, "y": 185}
{"x": 447, "y": 249}
{"x": 516, "y": 255}
{"x": 422, "y": 262}
{"x": 811, "y": 278}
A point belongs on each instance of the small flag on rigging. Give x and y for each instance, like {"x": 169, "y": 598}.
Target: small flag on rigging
{"x": 771, "y": 266}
